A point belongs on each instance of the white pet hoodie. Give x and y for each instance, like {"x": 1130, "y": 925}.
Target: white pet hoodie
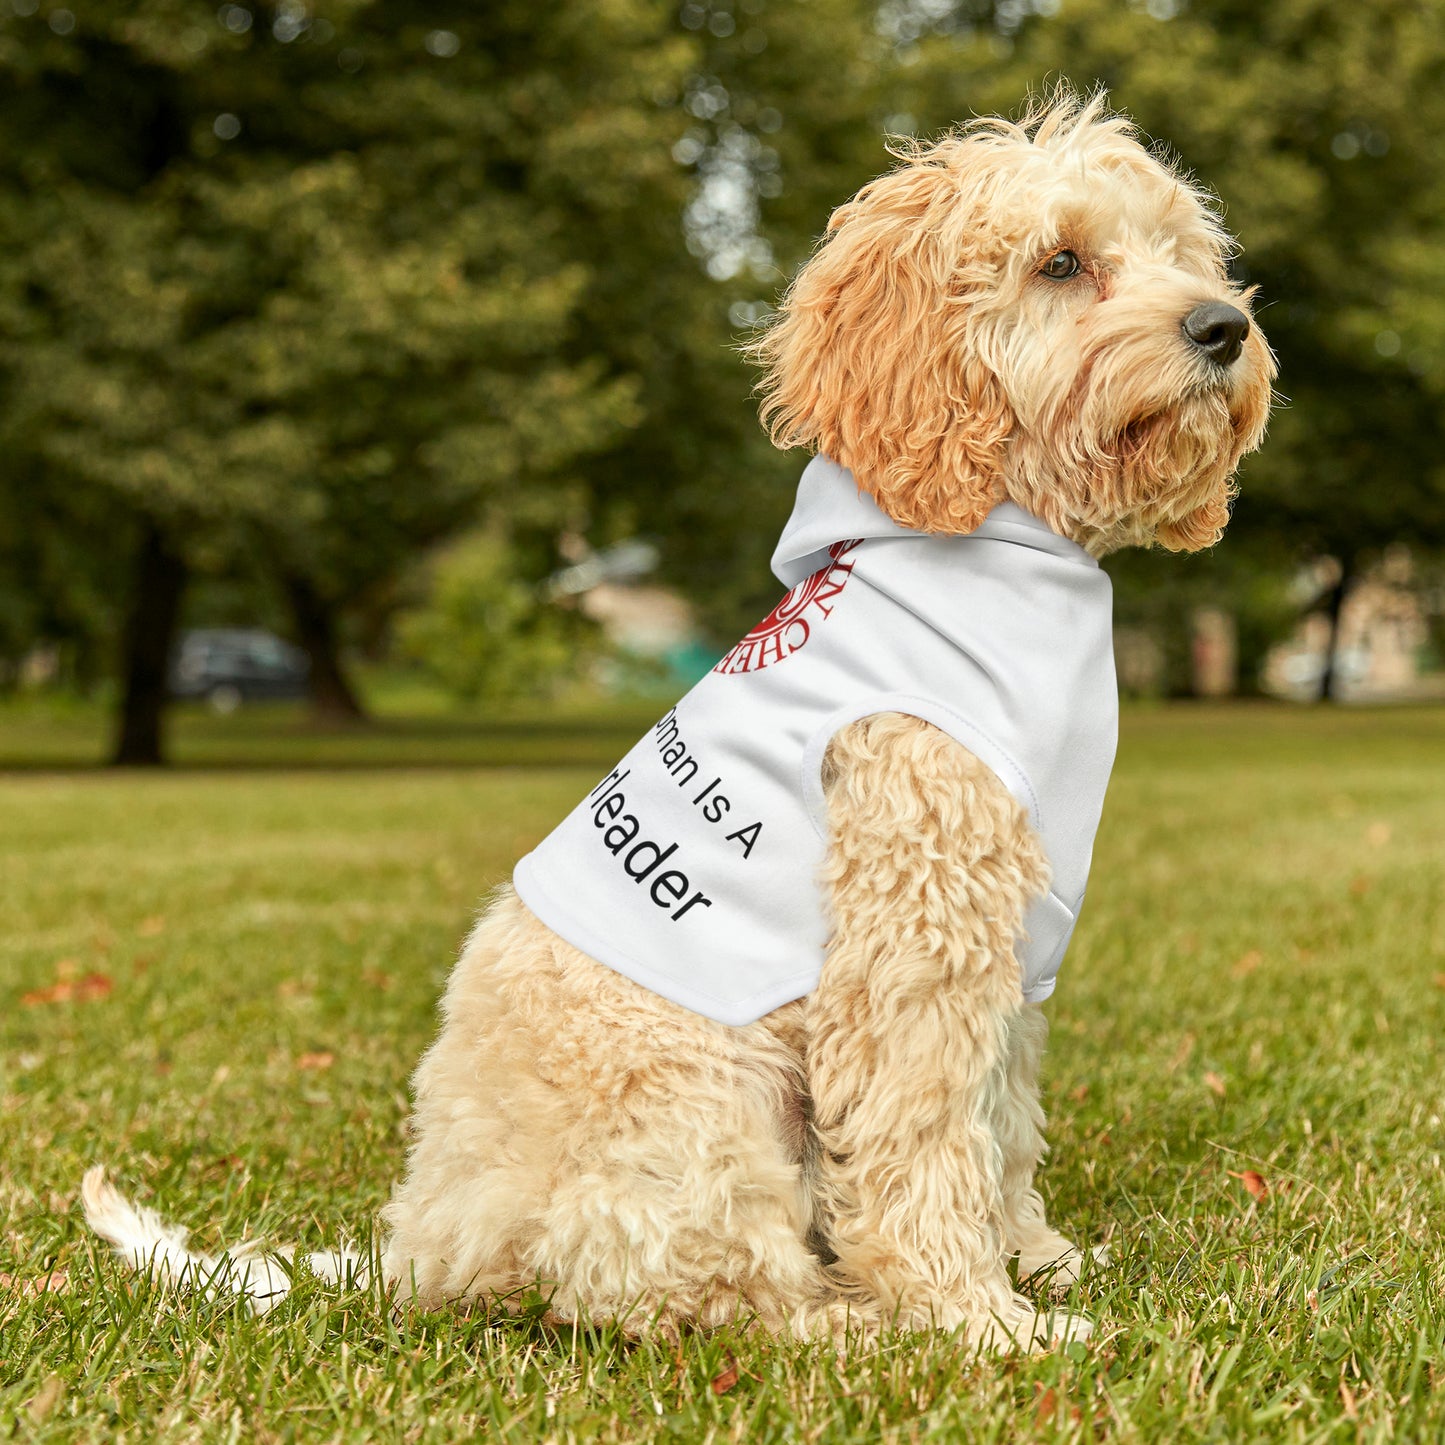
{"x": 692, "y": 867}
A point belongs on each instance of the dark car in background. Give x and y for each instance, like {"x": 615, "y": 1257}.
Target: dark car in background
{"x": 227, "y": 666}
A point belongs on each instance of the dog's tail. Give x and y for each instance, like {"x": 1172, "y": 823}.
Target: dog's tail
{"x": 147, "y": 1243}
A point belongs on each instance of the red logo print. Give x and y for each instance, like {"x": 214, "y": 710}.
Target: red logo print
{"x": 789, "y": 625}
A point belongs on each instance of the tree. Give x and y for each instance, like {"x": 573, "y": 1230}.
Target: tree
{"x": 305, "y": 281}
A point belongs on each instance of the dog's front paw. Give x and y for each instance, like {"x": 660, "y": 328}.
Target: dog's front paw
{"x": 1023, "y": 1326}
{"x": 1057, "y": 1265}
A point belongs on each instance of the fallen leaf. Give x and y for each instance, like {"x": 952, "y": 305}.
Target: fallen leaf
{"x": 1247, "y": 964}
{"x": 56, "y": 993}
{"x": 321, "y": 1059}
{"x": 56, "y": 1282}
{"x": 1214, "y": 1083}
{"x": 1046, "y": 1407}
{"x": 1440, "y": 980}
{"x": 724, "y": 1382}
{"x": 1254, "y": 1182}
{"x": 82, "y": 990}
{"x": 151, "y": 927}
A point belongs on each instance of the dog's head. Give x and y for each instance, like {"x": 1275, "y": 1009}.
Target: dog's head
{"x": 1036, "y": 311}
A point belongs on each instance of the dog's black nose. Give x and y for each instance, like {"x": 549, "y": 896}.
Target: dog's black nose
{"x": 1217, "y": 330}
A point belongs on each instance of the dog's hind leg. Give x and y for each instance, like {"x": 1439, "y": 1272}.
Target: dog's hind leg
{"x": 930, "y": 867}
{"x": 578, "y": 1136}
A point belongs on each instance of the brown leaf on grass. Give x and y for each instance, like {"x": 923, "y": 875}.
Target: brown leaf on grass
{"x": 56, "y": 1282}
{"x": 321, "y": 1059}
{"x": 1046, "y": 1407}
{"x": 151, "y": 927}
{"x": 1247, "y": 964}
{"x": 1255, "y": 1184}
{"x": 1440, "y": 980}
{"x": 56, "y": 993}
{"x": 723, "y": 1382}
{"x": 1214, "y": 1083}
{"x": 66, "y": 990}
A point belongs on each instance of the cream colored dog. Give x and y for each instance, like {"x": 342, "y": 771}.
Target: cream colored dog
{"x": 1035, "y": 312}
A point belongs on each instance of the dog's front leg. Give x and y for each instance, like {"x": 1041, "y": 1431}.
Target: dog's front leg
{"x": 931, "y": 863}
{"x": 1018, "y": 1120}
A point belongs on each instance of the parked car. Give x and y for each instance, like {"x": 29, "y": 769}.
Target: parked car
{"x": 230, "y": 665}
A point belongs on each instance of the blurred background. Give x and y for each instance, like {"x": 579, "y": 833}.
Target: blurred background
{"x": 370, "y": 360}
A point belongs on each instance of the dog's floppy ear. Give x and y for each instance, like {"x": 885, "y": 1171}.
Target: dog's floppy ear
{"x": 871, "y": 359}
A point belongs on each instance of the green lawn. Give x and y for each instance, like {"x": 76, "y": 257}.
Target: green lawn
{"x": 1258, "y": 984}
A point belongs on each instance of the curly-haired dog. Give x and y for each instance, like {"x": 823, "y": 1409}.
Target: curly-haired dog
{"x": 749, "y": 1069}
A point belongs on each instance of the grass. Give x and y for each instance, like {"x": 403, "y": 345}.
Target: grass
{"x": 231, "y": 971}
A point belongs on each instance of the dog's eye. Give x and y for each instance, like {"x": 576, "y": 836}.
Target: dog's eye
{"x": 1061, "y": 266}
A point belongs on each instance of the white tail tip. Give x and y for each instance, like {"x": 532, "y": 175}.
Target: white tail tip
{"x": 148, "y": 1244}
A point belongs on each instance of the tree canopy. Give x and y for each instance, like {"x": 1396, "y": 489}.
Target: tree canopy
{"x": 306, "y": 288}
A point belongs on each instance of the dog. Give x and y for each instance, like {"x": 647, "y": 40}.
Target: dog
{"x": 674, "y": 1088}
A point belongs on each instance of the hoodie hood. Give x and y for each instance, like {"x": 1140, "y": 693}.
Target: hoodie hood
{"x": 830, "y": 507}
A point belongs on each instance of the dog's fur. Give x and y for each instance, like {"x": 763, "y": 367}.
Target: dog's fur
{"x": 866, "y": 1155}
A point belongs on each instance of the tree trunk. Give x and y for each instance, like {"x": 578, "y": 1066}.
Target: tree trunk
{"x": 333, "y": 699}
{"x": 150, "y": 629}
{"x": 1329, "y": 676}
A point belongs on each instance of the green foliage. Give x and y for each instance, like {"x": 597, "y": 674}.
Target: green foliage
{"x": 485, "y": 634}
{"x": 322, "y": 285}
{"x": 1266, "y": 910}
{"x": 313, "y": 288}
